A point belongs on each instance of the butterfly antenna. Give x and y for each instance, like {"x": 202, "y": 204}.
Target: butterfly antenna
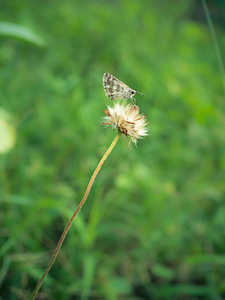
{"x": 141, "y": 93}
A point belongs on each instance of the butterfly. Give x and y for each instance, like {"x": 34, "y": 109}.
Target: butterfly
{"x": 116, "y": 89}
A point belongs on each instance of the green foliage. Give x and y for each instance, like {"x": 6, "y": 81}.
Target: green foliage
{"x": 153, "y": 224}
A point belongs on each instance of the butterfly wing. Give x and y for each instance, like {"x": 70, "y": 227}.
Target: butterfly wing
{"x": 114, "y": 88}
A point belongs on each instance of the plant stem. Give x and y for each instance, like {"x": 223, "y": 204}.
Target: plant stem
{"x": 57, "y": 249}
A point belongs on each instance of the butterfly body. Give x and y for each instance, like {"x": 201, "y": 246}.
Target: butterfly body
{"x": 116, "y": 89}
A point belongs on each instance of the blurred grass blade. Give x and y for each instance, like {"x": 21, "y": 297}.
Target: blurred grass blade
{"x": 7, "y": 132}
{"x": 215, "y": 42}
{"x": 4, "y": 269}
{"x": 20, "y": 32}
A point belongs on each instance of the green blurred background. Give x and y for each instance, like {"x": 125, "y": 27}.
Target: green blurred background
{"x": 153, "y": 224}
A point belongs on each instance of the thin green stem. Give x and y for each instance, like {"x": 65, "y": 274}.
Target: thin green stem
{"x": 215, "y": 43}
{"x": 57, "y": 249}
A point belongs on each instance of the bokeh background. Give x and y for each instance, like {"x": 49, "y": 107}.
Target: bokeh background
{"x": 153, "y": 224}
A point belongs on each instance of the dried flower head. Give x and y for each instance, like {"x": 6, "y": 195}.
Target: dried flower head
{"x": 127, "y": 119}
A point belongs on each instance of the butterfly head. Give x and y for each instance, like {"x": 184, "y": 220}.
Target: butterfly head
{"x": 132, "y": 93}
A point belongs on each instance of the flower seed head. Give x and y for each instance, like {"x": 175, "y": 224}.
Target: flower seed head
{"x": 127, "y": 119}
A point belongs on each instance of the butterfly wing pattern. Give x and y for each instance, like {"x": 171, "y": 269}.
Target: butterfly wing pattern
{"x": 116, "y": 89}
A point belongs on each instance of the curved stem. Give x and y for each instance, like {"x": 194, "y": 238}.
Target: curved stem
{"x": 56, "y": 252}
